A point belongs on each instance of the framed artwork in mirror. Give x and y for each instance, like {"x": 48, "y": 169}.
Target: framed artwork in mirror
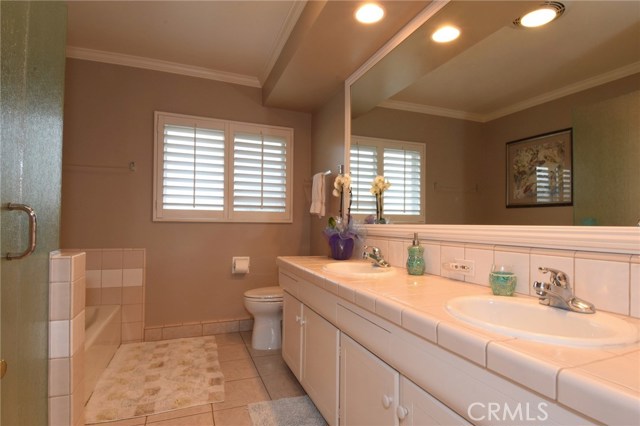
{"x": 540, "y": 170}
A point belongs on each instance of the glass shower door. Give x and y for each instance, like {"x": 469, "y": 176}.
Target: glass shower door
{"x": 31, "y": 90}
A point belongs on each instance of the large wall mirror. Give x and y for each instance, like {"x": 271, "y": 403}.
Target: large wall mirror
{"x": 499, "y": 83}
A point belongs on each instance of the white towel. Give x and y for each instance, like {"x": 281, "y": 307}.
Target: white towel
{"x": 317, "y": 195}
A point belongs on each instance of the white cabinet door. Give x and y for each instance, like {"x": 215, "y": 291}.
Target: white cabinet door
{"x": 419, "y": 408}
{"x": 368, "y": 387}
{"x": 320, "y": 363}
{"x": 292, "y": 334}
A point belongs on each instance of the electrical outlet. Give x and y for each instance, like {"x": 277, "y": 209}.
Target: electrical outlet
{"x": 461, "y": 266}
{"x": 467, "y": 267}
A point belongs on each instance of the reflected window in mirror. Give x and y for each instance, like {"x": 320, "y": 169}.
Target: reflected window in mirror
{"x": 402, "y": 164}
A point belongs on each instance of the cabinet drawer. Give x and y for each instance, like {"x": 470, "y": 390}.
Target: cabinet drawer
{"x": 321, "y": 301}
{"x": 365, "y": 332}
{"x": 289, "y": 282}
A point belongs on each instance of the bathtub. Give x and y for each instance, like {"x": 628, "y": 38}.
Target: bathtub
{"x": 102, "y": 338}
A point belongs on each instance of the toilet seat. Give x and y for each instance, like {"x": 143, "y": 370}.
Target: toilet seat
{"x": 267, "y": 294}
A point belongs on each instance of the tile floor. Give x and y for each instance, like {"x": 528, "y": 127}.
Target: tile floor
{"x": 250, "y": 376}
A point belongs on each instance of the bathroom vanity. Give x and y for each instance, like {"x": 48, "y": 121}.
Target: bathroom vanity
{"x": 383, "y": 350}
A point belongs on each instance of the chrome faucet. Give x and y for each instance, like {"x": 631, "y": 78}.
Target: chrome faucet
{"x": 558, "y": 293}
{"x": 375, "y": 255}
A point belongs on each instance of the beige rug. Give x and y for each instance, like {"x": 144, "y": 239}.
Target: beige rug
{"x": 154, "y": 377}
{"x": 296, "y": 411}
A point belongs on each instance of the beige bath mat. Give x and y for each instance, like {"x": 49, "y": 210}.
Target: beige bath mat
{"x": 154, "y": 377}
{"x": 296, "y": 411}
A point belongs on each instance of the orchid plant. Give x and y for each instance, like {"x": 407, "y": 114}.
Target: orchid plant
{"x": 341, "y": 233}
{"x": 378, "y": 186}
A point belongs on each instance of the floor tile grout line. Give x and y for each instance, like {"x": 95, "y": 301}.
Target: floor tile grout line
{"x": 256, "y": 367}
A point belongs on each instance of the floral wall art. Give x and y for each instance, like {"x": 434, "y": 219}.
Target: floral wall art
{"x": 539, "y": 170}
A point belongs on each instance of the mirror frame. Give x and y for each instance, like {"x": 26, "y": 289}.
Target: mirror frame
{"x": 610, "y": 239}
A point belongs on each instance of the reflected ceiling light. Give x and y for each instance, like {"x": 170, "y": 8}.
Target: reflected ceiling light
{"x": 369, "y": 13}
{"x": 546, "y": 13}
{"x": 445, "y": 34}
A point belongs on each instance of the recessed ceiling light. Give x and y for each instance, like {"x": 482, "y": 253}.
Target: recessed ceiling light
{"x": 369, "y": 13}
{"x": 445, "y": 34}
{"x": 546, "y": 13}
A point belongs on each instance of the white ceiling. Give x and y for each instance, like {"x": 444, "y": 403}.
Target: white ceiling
{"x": 299, "y": 52}
{"x": 240, "y": 37}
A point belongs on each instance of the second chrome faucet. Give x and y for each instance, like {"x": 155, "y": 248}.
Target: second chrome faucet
{"x": 558, "y": 293}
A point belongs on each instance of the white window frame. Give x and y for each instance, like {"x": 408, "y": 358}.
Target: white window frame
{"x": 227, "y": 214}
{"x": 380, "y": 145}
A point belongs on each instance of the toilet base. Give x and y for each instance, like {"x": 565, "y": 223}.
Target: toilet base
{"x": 267, "y": 333}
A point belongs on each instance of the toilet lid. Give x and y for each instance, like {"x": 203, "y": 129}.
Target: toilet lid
{"x": 270, "y": 293}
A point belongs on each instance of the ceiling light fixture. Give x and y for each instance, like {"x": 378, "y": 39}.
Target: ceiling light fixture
{"x": 546, "y": 13}
{"x": 369, "y": 13}
{"x": 445, "y": 34}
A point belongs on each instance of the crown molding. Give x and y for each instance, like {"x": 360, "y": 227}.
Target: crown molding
{"x": 520, "y": 106}
{"x": 431, "y": 110}
{"x": 159, "y": 65}
{"x": 579, "y": 86}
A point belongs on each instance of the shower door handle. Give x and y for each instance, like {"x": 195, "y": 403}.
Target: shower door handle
{"x": 33, "y": 225}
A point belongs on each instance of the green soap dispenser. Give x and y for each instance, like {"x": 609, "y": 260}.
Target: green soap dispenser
{"x": 415, "y": 261}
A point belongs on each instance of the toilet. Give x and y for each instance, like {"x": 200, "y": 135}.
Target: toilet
{"x": 265, "y": 304}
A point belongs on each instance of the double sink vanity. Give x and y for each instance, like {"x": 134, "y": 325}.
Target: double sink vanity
{"x": 376, "y": 346}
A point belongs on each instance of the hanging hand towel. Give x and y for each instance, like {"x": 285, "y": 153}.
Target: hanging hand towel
{"x": 317, "y": 195}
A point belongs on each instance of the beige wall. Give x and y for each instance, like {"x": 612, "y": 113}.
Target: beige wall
{"x": 327, "y": 154}
{"x": 108, "y": 123}
{"x": 608, "y": 170}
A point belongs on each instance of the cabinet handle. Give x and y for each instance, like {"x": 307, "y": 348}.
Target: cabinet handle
{"x": 402, "y": 412}
{"x": 299, "y": 320}
{"x": 386, "y": 401}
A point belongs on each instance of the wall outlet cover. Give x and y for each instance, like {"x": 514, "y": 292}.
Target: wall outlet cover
{"x": 466, "y": 267}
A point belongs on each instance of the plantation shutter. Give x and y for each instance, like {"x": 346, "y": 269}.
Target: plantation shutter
{"x": 402, "y": 164}
{"x": 193, "y": 168}
{"x": 364, "y": 168}
{"x": 259, "y": 172}
{"x": 402, "y": 168}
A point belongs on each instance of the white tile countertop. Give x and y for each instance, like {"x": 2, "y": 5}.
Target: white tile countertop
{"x": 602, "y": 383}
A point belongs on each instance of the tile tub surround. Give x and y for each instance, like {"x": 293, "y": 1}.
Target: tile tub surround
{"x": 117, "y": 277}
{"x": 600, "y": 383}
{"x": 66, "y": 337}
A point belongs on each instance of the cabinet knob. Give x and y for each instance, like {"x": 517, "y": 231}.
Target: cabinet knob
{"x": 386, "y": 401}
{"x": 402, "y": 412}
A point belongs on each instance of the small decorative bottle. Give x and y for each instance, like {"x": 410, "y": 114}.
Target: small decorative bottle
{"x": 415, "y": 261}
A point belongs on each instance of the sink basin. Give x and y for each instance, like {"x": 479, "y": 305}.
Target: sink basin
{"x": 358, "y": 269}
{"x": 525, "y": 318}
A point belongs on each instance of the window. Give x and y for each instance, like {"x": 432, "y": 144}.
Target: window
{"x": 402, "y": 163}
{"x": 209, "y": 170}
